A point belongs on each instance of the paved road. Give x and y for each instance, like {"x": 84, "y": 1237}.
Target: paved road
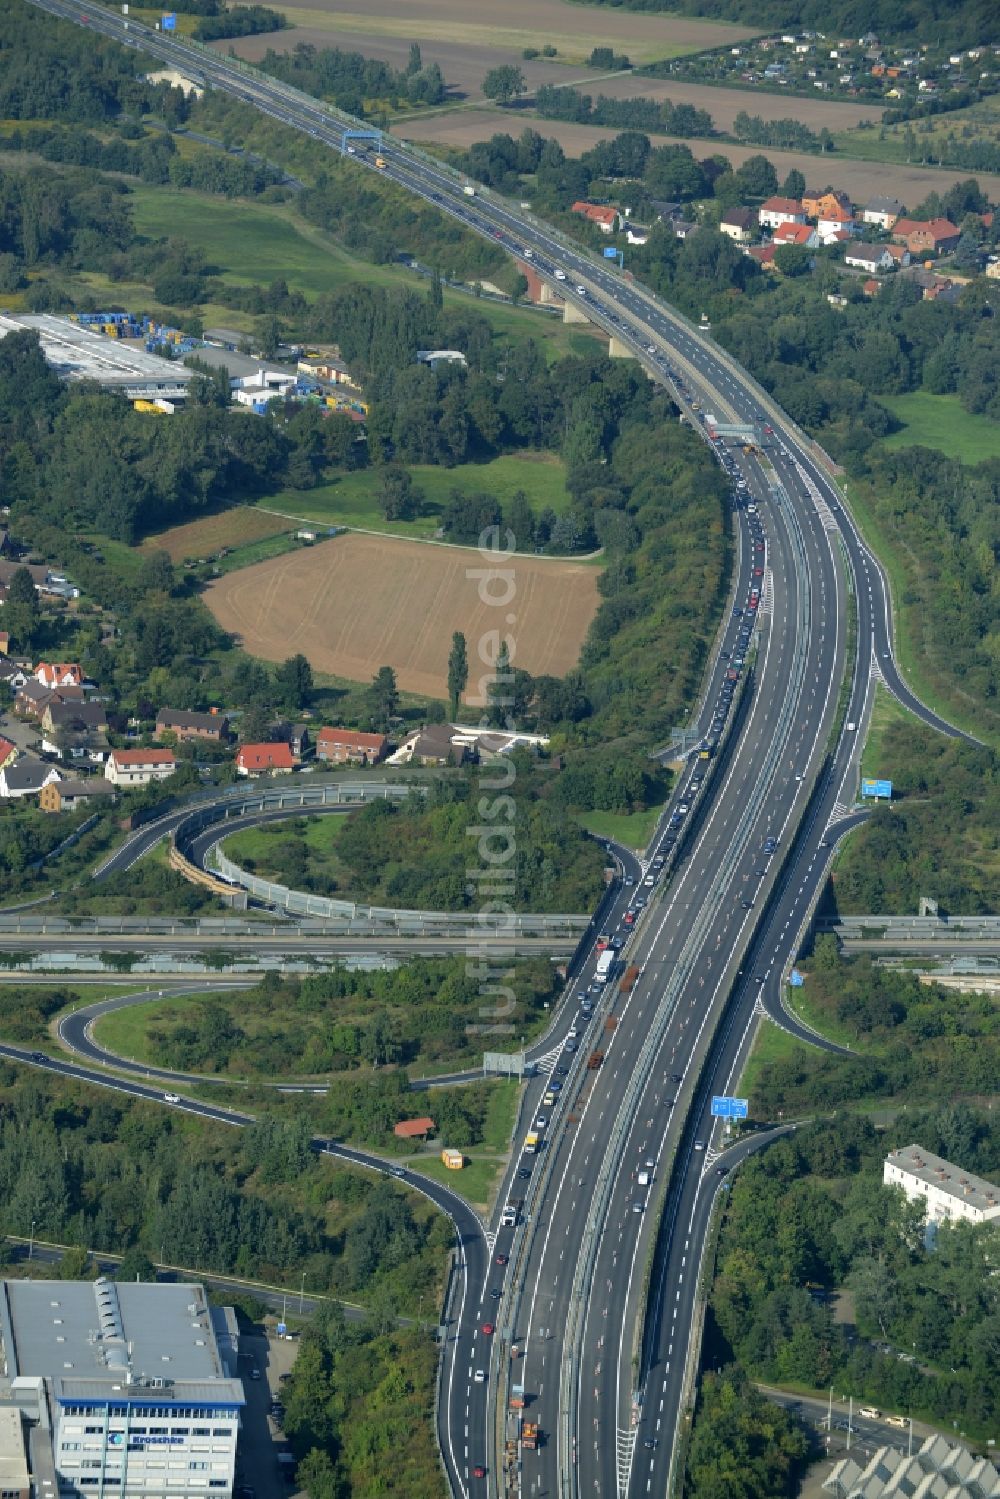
{"x": 576, "y": 1288}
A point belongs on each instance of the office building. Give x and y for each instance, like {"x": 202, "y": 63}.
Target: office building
{"x": 947, "y": 1192}
{"x": 124, "y": 1389}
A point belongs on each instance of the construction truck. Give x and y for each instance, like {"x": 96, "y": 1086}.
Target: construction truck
{"x": 530, "y": 1435}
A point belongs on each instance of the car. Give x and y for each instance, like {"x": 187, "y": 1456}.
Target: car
{"x": 617, "y": 941}
{"x": 650, "y": 349}
{"x": 351, "y": 151}
{"x": 683, "y": 807}
{"x": 171, "y": 1098}
{"x": 721, "y": 1170}
{"x": 649, "y": 1442}
{"x": 581, "y": 291}
{"x": 254, "y": 1373}
{"x": 649, "y": 1165}
{"x": 39, "y": 1056}
{"x": 638, "y": 1207}
{"x": 629, "y": 918}
{"x": 496, "y": 1293}
{"x": 699, "y": 1145}
{"x": 758, "y": 572}
{"x": 555, "y": 1087}
{"x": 542, "y": 1122}
{"x": 562, "y": 1071}
{"x": 480, "y": 1376}
{"x": 501, "y": 1259}
{"x": 487, "y": 1329}
{"x": 528, "y": 253}
{"x": 479, "y": 1471}
{"x": 570, "y": 1046}
{"x": 758, "y": 546}
{"x": 497, "y": 234}
{"x": 560, "y": 275}
{"x": 676, "y": 1077}
{"x": 669, "y": 1102}
{"x": 630, "y": 879}
{"x": 747, "y": 905}
{"x": 524, "y": 1173}
{"x": 770, "y": 844}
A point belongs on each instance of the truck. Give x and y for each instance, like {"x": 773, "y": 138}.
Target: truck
{"x": 628, "y": 978}
{"x": 518, "y": 1400}
{"x": 529, "y": 1435}
{"x": 380, "y": 162}
{"x": 469, "y": 190}
{"x": 531, "y": 1142}
{"x": 611, "y": 1023}
{"x": 511, "y": 1212}
{"x": 605, "y": 963}
{"x": 594, "y": 1060}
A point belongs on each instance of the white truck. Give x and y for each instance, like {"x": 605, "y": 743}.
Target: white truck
{"x": 604, "y": 965}
{"x": 469, "y": 190}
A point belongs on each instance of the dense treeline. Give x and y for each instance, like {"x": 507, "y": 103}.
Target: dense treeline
{"x": 257, "y": 1202}
{"x": 788, "y": 134}
{"x": 240, "y": 20}
{"x": 357, "y": 1409}
{"x": 345, "y": 1021}
{"x": 913, "y": 1041}
{"x": 352, "y": 81}
{"x": 939, "y": 836}
{"x": 742, "y": 1441}
{"x": 153, "y": 159}
{"x": 950, "y": 25}
{"x": 660, "y": 116}
{"x": 810, "y": 1216}
{"x": 416, "y": 854}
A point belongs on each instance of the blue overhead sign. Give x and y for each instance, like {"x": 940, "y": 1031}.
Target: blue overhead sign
{"x": 724, "y": 1107}
{"x": 877, "y": 788}
{"x": 169, "y": 23}
{"x": 796, "y": 979}
{"x": 611, "y": 254}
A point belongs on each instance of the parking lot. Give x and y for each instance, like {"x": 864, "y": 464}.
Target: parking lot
{"x": 261, "y": 1438}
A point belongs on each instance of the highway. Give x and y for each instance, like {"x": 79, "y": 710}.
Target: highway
{"x": 598, "y": 1234}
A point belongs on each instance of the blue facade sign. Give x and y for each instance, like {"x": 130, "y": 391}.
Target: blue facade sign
{"x": 724, "y": 1107}
{"x": 877, "y": 788}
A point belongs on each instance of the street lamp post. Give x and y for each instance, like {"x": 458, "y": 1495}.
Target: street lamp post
{"x": 302, "y": 1291}
{"x": 31, "y": 1240}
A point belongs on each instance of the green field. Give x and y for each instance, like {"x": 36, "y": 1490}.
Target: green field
{"x": 126, "y": 1032}
{"x": 631, "y": 830}
{"x": 353, "y": 499}
{"x": 251, "y": 243}
{"x": 886, "y": 712}
{"x": 941, "y": 422}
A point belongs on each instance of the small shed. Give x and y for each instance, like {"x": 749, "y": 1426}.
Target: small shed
{"x": 453, "y": 1159}
{"x": 414, "y": 1129}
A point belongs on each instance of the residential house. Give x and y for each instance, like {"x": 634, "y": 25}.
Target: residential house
{"x": 637, "y": 234}
{"x": 796, "y": 234}
{"x": 185, "y": 727}
{"x": 25, "y": 777}
{"x": 58, "y": 674}
{"x": 265, "y": 759}
{"x": 739, "y": 224}
{"x": 823, "y": 204}
{"x": 834, "y": 223}
{"x": 434, "y": 745}
{"x": 900, "y": 255}
{"x": 137, "y": 767}
{"x": 776, "y": 211}
{"x": 8, "y": 753}
{"x": 993, "y": 270}
{"x": 882, "y": 211}
{"x": 764, "y": 255}
{"x": 300, "y": 740}
{"x": 870, "y": 258}
{"x": 871, "y": 288}
{"x": 74, "y": 729}
{"x": 932, "y": 285}
{"x": 32, "y": 699}
{"x": 15, "y": 676}
{"x": 66, "y": 796}
{"x": 602, "y": 214}
{"x": 926, "y": 236}
{"x": 345, "y": 746}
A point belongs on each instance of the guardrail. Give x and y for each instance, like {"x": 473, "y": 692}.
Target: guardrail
{"x": 855, "y": 927}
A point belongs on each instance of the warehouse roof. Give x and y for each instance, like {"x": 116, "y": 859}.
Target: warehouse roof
{"x": 76, "y": 353}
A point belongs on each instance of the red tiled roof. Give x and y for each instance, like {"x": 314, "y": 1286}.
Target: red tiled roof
{"x": 781, "y": 205}
{"x": 597, "y": 212}
{"x": 764, "y": 254}
{"x": 266, "y": 757}
{"x": 350, "y": 737}
{"x": 5, "y": 748}
{"x": 793, "y": 234}
{"x": 408, "y": 1129}
{"x": 51, "y": 674}
{"x": 143, "y": 757}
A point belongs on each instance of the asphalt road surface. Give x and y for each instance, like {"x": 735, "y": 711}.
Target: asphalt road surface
{"x": 601, "y": 1354}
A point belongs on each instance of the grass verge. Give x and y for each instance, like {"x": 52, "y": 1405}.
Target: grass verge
{"x": 632, "y": 830}
{"x": 771, "y": 1045}
{"x": 942, "y": 423}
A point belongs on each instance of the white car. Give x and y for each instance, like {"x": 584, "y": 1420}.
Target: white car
{"x": 560, "y": 275}
{"x": 171, "y": 1098}
{"x": 480, "y": 1376}
{"x": 581, "y": 291}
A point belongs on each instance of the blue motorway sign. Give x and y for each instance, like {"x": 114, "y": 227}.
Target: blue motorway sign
{"x": 877, "y": 788}
{"x": 611, "y": 254}
{"x": 796, "y": 979}
{"x": 168, "y": 23}
{"x": 724, "y": 1107}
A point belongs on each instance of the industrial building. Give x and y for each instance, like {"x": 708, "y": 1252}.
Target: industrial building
{"x": 77, "y": 353}
{"x": 937, "y": 1470}
{"x": 947, "y": 1192}
{"x": 124, "y": 1387}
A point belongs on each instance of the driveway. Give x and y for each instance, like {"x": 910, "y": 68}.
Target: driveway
{"x": 260, "y": 1438}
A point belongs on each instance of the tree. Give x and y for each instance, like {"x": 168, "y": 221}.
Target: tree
{"x": 458, "y": 670}
{"x": 794, "y": 184}
{"x": 384, "y": 697}
{"x": 415, "y": 61}
{"x": 504, "y": 83}
{"x": 399, "y": 497}
{"x": 294, "y": 680}
{"x": 757, "y": 177}
{"x": 21, "y": 612}
{"x": 136, "y": 1265}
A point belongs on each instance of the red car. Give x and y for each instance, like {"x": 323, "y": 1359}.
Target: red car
{"x": 769, "y": 430}
{"x": 501, "y": 1259}
{"x": 487, "y": 1329}
{"x": 629, "y": 918}
{"x": 479, "y": 1471}
{"x": 758, "y": 572}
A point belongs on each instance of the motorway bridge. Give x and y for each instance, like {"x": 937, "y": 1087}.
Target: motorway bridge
{"x": 597, "y": 1278}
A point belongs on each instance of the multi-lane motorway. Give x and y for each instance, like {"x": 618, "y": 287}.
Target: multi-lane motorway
{"x": 593, "y": 1278}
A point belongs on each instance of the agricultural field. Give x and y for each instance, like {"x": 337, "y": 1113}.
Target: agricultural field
{"x": 359, "y": 602}
{"x": 941, "y": 422}
{"x": 207, "y": 537}
{"x": 861, "y": 179}
{"x": 491, "y": 36}
{"x": 724, "y": 104}
{"x": 352, "y": 499}
{"x": 979, "y": 123}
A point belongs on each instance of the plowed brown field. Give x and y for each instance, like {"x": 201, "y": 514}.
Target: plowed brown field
{"x": 359, "y": 602}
